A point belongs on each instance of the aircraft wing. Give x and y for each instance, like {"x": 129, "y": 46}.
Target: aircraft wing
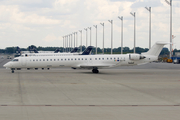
{"x": 95, "y": 66}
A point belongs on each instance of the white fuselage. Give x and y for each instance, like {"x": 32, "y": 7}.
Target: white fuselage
{"x": 77, "y": 61}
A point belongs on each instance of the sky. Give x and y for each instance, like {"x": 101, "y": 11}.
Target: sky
{"x": 45, "y": 22}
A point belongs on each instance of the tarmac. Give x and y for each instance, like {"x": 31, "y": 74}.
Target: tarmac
{"x": 147, "y": 92}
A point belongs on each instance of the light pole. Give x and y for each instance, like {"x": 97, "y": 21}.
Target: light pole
{"x": 69, "y": 42}
{"x": 81, "y": 39}
{"x": 90, "y": 35}
{"x": 170, "y": 3}
{"x": 111, "y": 21}
{"x": 63, "y": 43}
{"x": 86, "y": 36}
{"x": 149, "y": 9}
{"x": 96, "y": 37}
{"x": 74, "y": 39}
{"x": 121, "y": 18}
{"x": 103, "y": 36}
{"x": 134, "y": 15}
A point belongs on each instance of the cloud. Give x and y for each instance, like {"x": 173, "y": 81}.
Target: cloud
{"x": 50, "y": 38}
{"x": 43, "y": 22}
{"x": 11, "y": 13}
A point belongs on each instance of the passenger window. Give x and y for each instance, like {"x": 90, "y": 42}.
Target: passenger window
{"x": 95, "y": 58}
{"x": 36, "y": 59}
{"x": 102, "y": 58}
{"x": 71, "y": 59}
{"x": 61, "y": 59}
{"x": 90, "y": 58}
{"x": 50, "y": 59}
{"x": 85, "y": 58}
{"x": 111, "y": 58}
{"x": 39, "y": 59}
{"x": 33, "y": 60}
{"x": 54, "y": 59}
{"x": 82, "y": 58}
{"x": 43, "y": 59}
{"x": 107, "y": 58}
{"x": 68, "y": 59}
{"x": 64, "y": 59}
{"x": 99, "y": 58}
{"x": 47, "y": 59}
{"x": 114, "y": 58}
{"x": 78, "y": 58}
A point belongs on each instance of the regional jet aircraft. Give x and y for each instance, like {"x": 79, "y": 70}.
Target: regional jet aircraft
{"x": 93, "y": 62}
{"x": 73, "y": 52}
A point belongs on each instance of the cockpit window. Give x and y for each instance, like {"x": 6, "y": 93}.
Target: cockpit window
{"x": 15, "y": 60}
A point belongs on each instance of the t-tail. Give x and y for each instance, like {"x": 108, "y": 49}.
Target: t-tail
{"x": 87, "y": 51}
{"x": 74, "y": 50}
{"x": 156, "y": 49}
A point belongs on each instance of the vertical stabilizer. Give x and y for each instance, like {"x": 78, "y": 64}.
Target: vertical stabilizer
{"x": 156, "y": 49}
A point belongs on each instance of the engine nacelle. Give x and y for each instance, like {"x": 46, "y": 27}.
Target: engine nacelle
{"x": 136, "y": 57}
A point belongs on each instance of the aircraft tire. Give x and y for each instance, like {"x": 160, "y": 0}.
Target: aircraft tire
{"x": 95, "y": 70}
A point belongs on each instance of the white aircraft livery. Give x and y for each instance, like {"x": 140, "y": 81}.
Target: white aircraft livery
{"x": 73, "y": 52}
{"x": 92, "y": 62}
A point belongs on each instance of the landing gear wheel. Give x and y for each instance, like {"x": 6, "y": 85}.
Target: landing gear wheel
{"x": 95, "y": 70}
{"x": 12, "y": 70}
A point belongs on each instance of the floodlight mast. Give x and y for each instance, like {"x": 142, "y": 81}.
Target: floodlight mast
{"x": 90, "y": 34}
{"x": 74, "y": 38}
{"x": 96, "y": 37}
{"x": 81, "y": 39}
{"x": 111, "y": 21}
{"x": 170, "y": 3}
{"x": 134, "y": 15}
{"x": 71, "y": 41}
{"x": 103, "y": 37}
{"x": 63, "y": 43}
{"x": 86, "y": 35}
{"x": 149, "y": 9}
{"x": 121, "y": 18}
{"x": 67, "y": 44}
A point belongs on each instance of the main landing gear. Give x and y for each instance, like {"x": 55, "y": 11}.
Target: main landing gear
{"x": 12, "y": 70}
{"x": 95, "y": 70}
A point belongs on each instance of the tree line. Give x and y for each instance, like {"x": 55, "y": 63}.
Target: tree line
{"x": 11, "y": 50}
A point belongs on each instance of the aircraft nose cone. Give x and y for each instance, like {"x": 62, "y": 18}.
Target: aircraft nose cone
{"x": 7, "y": 65}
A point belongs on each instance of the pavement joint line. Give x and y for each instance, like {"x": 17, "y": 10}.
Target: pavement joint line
{"x": 89, "y": 105}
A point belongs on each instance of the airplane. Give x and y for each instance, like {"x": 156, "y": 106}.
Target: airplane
{"x": 73, "y": 52}
{"x": 91, "y": 62}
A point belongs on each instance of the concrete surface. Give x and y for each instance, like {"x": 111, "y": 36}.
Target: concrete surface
{"x": 142, "y": 93}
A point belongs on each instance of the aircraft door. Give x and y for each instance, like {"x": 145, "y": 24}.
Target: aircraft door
{"x": 23, "y": 61}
